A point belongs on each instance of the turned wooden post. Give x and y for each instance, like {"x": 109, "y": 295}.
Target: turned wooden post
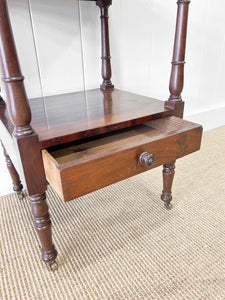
{"x": 106, "y": 63}
{"x": 18, "y": 107}
{"x": 25, "y": 139}
{"x": 42, "y": 224}
{"x": 176, "y": 88}
{"x": 177, "y": 72}
{"x": 17, "y": 186}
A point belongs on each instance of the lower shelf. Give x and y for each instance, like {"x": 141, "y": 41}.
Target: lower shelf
{"x": 80, "y": 168}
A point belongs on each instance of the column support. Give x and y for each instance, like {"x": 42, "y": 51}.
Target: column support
{"x": 25, "y": 139}
{"x": 177, "y": 72}
{"x": 106, "y": 58}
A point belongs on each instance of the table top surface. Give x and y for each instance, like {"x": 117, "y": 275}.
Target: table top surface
{"x": 64, "y": 118}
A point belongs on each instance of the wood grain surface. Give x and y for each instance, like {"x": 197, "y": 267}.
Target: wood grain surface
{"x": 84, "y": 167}
{"x": 65, "y": 118}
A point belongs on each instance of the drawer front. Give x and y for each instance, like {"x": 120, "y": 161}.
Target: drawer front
{"x": 95, "y": 169}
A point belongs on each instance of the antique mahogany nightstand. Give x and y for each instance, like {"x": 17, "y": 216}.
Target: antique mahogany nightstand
{"x": 86, "y": 147}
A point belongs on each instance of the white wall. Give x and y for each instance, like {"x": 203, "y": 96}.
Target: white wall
{"x": 141, "y": 46}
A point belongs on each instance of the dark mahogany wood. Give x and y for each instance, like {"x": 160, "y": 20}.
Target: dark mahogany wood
{"x": 18, "y": 107}
{"x": 31, "y": 161}
{"x": 65, "y": 118}
{"x": 177, "y": 72}
{"x": 106, "y": 63}
{"x": 25, "y": 139}
{"x": 88, "y": 114}
{"x": 176, "y": 87}
{"x": 168, "y": 175}
{"x": 17, "y": 186}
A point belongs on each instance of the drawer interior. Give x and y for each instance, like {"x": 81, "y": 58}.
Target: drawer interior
{"x": 81, "y": 167}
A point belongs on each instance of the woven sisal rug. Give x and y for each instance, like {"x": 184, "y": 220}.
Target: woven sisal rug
{"x": 120, "y": 242}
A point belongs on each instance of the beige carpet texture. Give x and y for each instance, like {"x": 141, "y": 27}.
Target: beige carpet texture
{"x": 121, "y": 243}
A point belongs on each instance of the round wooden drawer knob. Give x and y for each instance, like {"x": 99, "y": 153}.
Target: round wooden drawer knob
{"x": 147, "y": 159}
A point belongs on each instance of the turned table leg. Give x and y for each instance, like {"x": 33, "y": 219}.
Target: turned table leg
{"x": 25, "y": 139}
{"x": 17, "y": 186}
{"x": 168, "y": 175}
{"x": 42, "y": 224}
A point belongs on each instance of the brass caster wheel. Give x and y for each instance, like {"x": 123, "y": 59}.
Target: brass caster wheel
{"x": 53, "y": 266}
{"x": 168, "y": 205}
{"x": 21, "y": 195}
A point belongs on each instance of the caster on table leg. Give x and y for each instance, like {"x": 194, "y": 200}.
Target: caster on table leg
{"x": 168, "y": 205}
{"x": 167, "y": 198}
{"x": 53, "y": 266}
{"x": 21, "y": 195}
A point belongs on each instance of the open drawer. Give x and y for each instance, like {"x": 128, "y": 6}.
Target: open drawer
{"x": 76, "y": 169}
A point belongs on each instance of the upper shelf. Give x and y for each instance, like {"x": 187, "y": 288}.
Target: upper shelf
{"x": 68, "y": 117}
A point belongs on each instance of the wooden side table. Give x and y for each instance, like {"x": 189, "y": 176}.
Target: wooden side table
{"x": 92, "y": 139}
